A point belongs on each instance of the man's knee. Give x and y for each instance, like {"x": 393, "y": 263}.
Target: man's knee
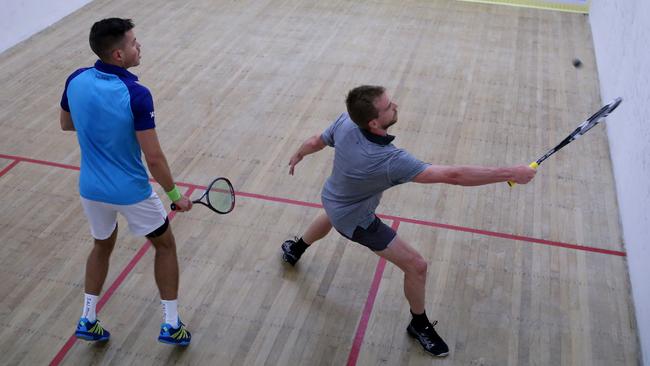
{"x": 164, "y": 245}
{"x": 163, "y": 239}
{"x": 418, "y": 266}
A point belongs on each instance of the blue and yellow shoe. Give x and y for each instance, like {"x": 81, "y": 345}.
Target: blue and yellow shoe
{"x": 177, "y": 336}
{"x": 90, "y": 331}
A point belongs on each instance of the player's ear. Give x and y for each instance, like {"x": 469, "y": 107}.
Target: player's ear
{"x": 373, "y": 123}
{"x": 117, "y": 55}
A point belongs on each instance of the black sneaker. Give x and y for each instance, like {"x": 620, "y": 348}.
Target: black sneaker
{"x": 429, "y": 339}
{"x": 289, "y": 253}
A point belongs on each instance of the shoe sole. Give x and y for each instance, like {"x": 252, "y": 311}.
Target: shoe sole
{"x": 182, "y": 344}
{"x": 91, "y": 339}
{"x": 415, "y": 336}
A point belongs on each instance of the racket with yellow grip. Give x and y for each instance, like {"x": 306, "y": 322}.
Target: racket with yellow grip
{"x": 585, "y": 126}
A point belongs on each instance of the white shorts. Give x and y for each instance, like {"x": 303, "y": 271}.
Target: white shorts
{"x": 143, "y": 217}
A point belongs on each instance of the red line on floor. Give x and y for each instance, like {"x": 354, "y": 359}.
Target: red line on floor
{"x": 388, "y": 217}
{"x": 41, "y": 162}
{"x": 279, "y": 199}
{"x": 111, "y": 290}
{"x": 508, "y": 236}
{"x": 259, "y": 196}
{"x": 9, "y": 167}
{"x": 367, "y": 309}
{"x": 63, "y": 351}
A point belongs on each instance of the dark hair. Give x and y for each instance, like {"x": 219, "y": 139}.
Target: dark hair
{"x": 106, "y": 34}
{"x": 360, "y": 104}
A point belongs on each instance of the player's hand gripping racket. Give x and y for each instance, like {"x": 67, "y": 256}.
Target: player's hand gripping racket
{"x": 579, "y": 131}
{"x": 219, "y": 197}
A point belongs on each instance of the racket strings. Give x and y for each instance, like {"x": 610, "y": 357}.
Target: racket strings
{"x": 221, "y": 196}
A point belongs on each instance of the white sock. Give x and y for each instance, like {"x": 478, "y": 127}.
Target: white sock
{"x": 90, "y": 303}
{"x": 170, "y": 312}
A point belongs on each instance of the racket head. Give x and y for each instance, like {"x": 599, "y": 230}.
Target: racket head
{"x": 220, "y": 196}
{"x": 598, "y": 116}
{"x": 583, "y": 127}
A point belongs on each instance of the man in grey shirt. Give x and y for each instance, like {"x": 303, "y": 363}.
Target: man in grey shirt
{"x": 366, "y": 163}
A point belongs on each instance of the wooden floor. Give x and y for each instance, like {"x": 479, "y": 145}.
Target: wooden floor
{"x": 534, "y": 275}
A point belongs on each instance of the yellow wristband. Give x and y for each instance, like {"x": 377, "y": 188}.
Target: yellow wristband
{"x": 174, "y": 195}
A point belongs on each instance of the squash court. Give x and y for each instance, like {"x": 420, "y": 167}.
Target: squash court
{"x": 534, "y": 275}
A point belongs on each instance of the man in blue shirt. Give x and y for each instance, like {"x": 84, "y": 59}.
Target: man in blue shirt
{"x": 115, "y": 122}
{"x": 366, "y": 164}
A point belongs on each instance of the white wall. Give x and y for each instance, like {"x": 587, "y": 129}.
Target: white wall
{"x": 23, "y": 18}
{"x": 621, "y": 33}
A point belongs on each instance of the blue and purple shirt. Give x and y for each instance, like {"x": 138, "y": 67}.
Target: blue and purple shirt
{"x": 108, "y": 106}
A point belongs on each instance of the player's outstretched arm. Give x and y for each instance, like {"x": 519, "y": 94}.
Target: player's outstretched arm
{"x": 475, "y": 175}
{"x": 310, "y": 146}
{"x": 66, "y": 121}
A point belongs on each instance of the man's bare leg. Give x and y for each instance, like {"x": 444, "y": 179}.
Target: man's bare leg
{"x": 318, "y": 229}
{"x": 414, "y": 266}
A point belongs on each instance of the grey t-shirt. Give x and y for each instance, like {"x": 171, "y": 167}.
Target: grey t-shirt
{"x": 365, "y": 165}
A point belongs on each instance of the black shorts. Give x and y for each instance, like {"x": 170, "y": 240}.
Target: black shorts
{"x": 376, "y": 237}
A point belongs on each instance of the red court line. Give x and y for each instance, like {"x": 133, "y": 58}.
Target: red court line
{"x": 41, "y": 162}
{"x": 367, "y": 308}
{"x": 9, "y": 167}
{"x": 111, "y": 290}
{"x": 508, "y": 236}
{"x": 389, "y": 217}
{"x": 279, "y": 199}
{"x": 259, "y": 196}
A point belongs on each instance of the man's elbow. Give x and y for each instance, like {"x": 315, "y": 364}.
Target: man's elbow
{"x": 454, "y": 178}
{"x": 316, "y": 143}
{"x": 65, "y": 120}
{"x": 67, "y": 127}
{"x": 154, "y": 160}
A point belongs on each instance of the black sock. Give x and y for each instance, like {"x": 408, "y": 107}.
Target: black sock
{"x": 420, "y": 321}
{"x": 300, "y": 246}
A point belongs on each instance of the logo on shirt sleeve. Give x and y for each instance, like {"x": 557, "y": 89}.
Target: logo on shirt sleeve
{"x": 152, "y": 114}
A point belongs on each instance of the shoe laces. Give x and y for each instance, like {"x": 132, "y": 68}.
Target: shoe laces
{"x": 96, "y": 328}
{"x": 181, "y": 333}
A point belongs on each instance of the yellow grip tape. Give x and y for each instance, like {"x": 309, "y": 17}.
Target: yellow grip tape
{"x": 533, "y": 165}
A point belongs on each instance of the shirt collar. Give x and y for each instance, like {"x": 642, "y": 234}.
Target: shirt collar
{"x": 115, "y": 70}
{"x": 378, "y": 139}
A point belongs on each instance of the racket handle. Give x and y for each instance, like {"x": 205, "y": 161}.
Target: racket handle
{"x": 533, "y": 165}
{"x": 175, "y": 208}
